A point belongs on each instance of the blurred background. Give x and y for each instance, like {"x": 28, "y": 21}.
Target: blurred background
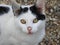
{"x": 52, "y": 10}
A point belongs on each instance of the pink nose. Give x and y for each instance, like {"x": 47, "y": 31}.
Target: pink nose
{"x": 29, "y": 28}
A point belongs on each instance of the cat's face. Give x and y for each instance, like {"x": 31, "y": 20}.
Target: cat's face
{"x": 29, "y": 19}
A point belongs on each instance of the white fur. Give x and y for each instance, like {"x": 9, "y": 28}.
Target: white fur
{"x": 16, "y": 33}
{"x": 5, "y": 17}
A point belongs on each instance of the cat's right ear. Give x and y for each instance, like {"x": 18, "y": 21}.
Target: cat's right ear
{"x": 15, "y": 7}
{"x": 40, "y": 4}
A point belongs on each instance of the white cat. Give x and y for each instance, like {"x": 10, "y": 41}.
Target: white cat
{"x": 26, "y": 27}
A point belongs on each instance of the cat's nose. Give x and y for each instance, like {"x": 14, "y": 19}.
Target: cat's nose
{"x": 29, "y": 28}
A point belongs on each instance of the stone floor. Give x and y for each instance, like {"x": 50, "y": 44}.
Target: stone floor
{"x": 52, "y": 21}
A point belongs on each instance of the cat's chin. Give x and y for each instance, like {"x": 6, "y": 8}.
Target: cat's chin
{"x": 30, "y": 33}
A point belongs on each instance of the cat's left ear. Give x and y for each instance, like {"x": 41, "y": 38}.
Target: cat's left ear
{"x": 15, "y": 6}
{"x": 40, "y": 4}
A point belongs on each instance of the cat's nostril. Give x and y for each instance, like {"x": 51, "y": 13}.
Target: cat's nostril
{"x": 29, "y": 28}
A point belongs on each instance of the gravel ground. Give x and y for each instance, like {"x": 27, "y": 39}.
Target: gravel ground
{"x": 53, "y": 20}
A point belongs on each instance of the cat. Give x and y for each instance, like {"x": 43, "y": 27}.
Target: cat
{"x": 24, "y": 27}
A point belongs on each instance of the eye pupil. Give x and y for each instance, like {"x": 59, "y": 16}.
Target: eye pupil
{"x": 35, "y": 20}
{"x": 23, "y": 21}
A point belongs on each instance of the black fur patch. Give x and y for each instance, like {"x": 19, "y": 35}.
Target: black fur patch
{"x": 23, "y": 10}
{"x": 3, "y": 10}
{"x": 38, "y": 14}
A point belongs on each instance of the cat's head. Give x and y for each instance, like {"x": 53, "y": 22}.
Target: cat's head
{"x": 30, "y": 18}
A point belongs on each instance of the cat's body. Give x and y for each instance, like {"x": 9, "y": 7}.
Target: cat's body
{"x": 26, "y": 27}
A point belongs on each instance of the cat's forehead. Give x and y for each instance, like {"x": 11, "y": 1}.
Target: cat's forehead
{"x": 31, "y": 11}
{"x": 27, "y": 16}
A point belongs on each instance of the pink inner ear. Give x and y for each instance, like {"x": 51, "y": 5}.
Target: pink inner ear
{"x": 39, "y": 9}
{"x": 41, "y": 6}
{"x": 40, "y": 3}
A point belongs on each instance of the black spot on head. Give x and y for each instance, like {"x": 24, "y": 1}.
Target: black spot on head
{"x": 22, "y": 10}
{"x": 25, "y": 9}
{"x": 3, "y": 10}
{"x": 38, "y": 14}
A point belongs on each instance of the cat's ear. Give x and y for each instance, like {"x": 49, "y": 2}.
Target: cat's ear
{"x": 40, "y": 4}
{"x": 15, "y": 6}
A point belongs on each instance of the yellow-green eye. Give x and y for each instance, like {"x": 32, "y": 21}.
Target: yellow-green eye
{"x": 35, "y": 20}
{"x": 23, "y": 21}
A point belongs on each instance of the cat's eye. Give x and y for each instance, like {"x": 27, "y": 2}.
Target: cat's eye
{"x": 23, "y": 21}
{"x": 35, "y": 20}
